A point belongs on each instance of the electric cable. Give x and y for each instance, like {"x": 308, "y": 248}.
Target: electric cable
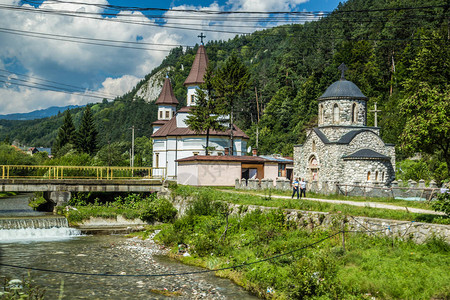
{"x": 173, "y": 274}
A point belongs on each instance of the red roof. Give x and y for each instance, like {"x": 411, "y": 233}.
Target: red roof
{"x": 198, "y": 69}
{"x": 171, "y": 129}
{"x": 160, "y": 122}
{"x": 225, "y": 158}
{"x": 167, "y": 96}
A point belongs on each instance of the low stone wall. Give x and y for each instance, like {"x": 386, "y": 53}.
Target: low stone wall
{"x": 111, "y": 225}
{"x": 404, "y": 230}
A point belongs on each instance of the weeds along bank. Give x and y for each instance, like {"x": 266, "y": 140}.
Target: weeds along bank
{"x": 269, "y": 254}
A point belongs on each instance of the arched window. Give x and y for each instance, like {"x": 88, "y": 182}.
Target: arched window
{"x": 313, "y": 146}
{"x": 335, "y": 114}
{"x": 376, "y": 176}
{"x": 321, "y": 113}
{"x": 382, "y": 177}
{"x": 368, "y": 176}
{"x": 354, "y": 113}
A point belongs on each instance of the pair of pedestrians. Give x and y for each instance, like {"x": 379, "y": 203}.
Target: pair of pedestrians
{"x": 296, "y": 185}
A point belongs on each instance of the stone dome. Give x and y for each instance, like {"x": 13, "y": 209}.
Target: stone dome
{"x": 343, "y": 89}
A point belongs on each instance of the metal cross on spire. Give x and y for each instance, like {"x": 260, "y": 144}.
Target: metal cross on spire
{"x": 342, "y": 68}
{"x": 201, "y": 36}
{"x": 376, "y": 111}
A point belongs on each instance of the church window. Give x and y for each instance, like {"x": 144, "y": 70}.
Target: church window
{"x": 376, "y": 176}
{"x": 160, "y": 114}
{"x": 192, "y": 99}
{"x": 368, "y": 176}
{"x": 382, "y": 177}
{"x": 354, "y": 113}
{"x": 167, "y": 114}
{"x": 335, "y": 114}
{"x": 313, "y": 146}
{"x": 156, "y": 160}
{"x": 321, "y": 114}
{"x": 195, "y": 153}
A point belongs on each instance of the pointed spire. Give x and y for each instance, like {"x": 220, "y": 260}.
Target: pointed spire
{"x": 198, "y": 69}
{"x": 167, "y": 96}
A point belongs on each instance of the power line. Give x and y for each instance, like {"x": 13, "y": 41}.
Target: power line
{"x": 175, "y": 274}
{"x": 59, "y": 87}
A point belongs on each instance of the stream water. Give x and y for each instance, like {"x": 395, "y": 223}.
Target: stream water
{"x": 100, "y": 258}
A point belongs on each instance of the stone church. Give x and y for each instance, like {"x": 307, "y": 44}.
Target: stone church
{"x": 342, "y": 148}
{"x": 174, "y": 140}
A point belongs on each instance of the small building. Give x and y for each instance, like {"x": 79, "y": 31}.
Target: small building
{"x": 202, "y": 170}
{"x": 342, "y": 148}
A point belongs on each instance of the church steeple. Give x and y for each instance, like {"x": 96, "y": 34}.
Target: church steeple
{"x": 198, "y": 70}
{"x": 167, "y": 103}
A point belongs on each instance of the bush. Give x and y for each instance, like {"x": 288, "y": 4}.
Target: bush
{"x": 442, "y": 203}
{"x": 159, "y": 210}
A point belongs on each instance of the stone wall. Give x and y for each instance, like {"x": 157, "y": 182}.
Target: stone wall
{"x": 403, "y": 230}
{"x": 345, "y": 112}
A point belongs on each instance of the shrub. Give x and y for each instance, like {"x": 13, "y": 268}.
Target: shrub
{"x": 442, "y": 203}
{"x": 159, "y": 210}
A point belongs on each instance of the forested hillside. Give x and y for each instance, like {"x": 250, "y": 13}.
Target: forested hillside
{"x": 397, "y": 52}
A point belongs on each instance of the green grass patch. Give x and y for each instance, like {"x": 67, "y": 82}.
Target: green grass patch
{"x": 276, "y": 260}
{"x": 384, "y": 200}
{"x": 307, "y": 205}
{"x": 131, "y": 206}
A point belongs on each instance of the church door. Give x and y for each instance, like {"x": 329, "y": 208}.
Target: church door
{"x": 313, "y": 169}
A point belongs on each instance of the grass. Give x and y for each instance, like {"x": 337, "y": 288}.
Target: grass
{"x": 277, "y": 260}
{"x": 308, "y": 205}
{"x": 384, "y": 200}
{"x": 7, "y": 194}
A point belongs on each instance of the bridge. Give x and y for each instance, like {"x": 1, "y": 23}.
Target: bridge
{"x": 58, "y": 182}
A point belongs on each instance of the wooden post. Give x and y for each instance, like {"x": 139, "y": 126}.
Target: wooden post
{"x": 343, "y": 233}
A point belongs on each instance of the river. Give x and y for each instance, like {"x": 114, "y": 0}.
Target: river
{"x": 99, "y": 255}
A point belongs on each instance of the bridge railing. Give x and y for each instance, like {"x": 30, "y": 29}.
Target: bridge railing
{"x": 80, "y": 172}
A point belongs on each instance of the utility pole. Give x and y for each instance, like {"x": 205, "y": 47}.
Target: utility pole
{"x": 132, "y": 146}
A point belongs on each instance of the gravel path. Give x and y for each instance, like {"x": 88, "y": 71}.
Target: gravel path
{"x": 356, "y": 203}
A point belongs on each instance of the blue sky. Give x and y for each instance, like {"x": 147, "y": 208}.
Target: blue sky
{"x": 61, "y": 44}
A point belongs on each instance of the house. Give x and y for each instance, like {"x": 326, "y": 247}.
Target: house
{"x": 214, "y": 170}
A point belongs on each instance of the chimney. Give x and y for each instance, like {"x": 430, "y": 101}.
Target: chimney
{"x": 227, "y": 151}
{"x": 255, "y": 152}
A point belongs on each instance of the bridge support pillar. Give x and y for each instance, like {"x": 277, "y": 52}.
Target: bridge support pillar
{"x": 58, "y": 198}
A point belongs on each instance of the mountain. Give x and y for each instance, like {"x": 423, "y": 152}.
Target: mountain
{"x": 383, "y": 43}
{"x": 38, "y": 114}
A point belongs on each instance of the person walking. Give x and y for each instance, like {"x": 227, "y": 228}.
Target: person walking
{"x": 295, "y": 185}
{"x": 302, "y": 188}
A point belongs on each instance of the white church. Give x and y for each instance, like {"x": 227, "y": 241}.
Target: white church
{"x": 174, "y": 140}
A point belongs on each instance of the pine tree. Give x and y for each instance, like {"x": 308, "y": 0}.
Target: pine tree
{"x": 231, "y": 82}
{"x": 66, "y": 133}
{"x": 204, "y": 115}
{"x": 86, "y": 137}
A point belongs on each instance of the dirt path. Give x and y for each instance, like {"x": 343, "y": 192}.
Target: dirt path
{"x": 354, "y": 203}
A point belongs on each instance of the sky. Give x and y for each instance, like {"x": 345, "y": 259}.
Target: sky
{"x": 73, "y": 52}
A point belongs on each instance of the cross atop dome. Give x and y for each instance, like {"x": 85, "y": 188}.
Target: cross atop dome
{"x": 342, "y": 68}
{"x": 201, "y": 36}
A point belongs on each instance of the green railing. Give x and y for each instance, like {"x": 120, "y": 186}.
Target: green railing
{"x": 80, "y": 172}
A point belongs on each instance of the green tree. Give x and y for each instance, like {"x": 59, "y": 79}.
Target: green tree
{"x": 231, "y": 82}
{"x": 426, "y": 104}
{"x": 66, "y": 133}
{"x": 86, "y": 139}
{"x": 204, "y": 116}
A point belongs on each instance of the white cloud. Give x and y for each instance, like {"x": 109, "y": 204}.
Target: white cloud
{"x": 97, "y": 68}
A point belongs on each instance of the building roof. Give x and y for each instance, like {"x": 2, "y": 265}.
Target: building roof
{"x": 348, "y": 137}
{"x": 198, "y": 69}
{"x": 224, "y": 158}
{"x": 167, "y": 96}
{"x": 171, "y": 129}
{"x": 278, "y": 159}
{"x": 343, "y": 89}
{"x": 159, "y": 122}
{"x": 366, "y": 154}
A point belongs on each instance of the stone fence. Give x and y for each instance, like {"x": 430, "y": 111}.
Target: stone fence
{"x": 409, "y": 190}
{"x": 404, "y": 230}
